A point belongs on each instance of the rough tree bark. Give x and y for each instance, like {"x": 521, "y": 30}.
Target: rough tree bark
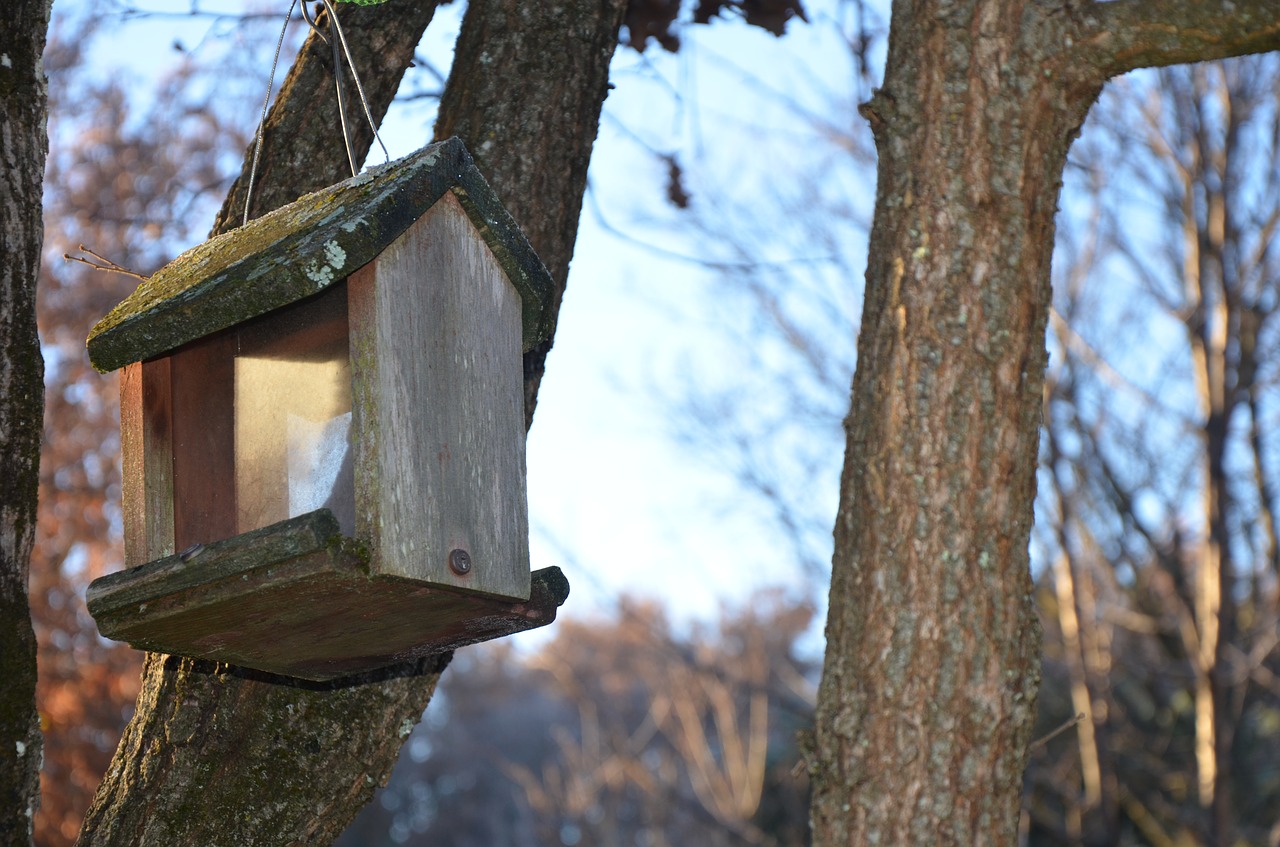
{"x": 214, "y": 757}
{"x": 23, "y": 144}
{"x": 568, "y": 78}
{"x": 931, "y": 670}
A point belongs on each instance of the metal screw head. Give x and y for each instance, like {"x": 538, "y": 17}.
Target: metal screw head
{"x": 460, "y": 562}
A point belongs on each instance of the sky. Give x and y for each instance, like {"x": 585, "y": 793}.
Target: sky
{"x": 615, "y": 499}
{"x": 605, "y": 477}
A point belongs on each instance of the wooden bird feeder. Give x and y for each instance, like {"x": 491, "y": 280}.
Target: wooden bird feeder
{"x": 322, "y": 427}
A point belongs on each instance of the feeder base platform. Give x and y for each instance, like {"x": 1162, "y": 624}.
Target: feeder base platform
{"x": 297, "y": 599}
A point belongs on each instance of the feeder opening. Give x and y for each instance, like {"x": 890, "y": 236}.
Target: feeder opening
{"x": 272, "y": 399}
{"x": 293, "y": 418}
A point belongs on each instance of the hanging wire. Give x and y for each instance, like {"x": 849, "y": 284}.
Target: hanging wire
{"x": 337, "y": 37}
{"x": 355, "y": 76}
{"x": 262, "y": 122}
{"x": 337, "y": 83}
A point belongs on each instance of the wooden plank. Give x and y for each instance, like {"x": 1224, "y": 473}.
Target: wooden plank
{"x": 438, "y": 401}
{"x": 296, "y": 599}
{"x": 146, "y": 449}
{"x": 302, "y": 248}
{"x": 203, "y": 385}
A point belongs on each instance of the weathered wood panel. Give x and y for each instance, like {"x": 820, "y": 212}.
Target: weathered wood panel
{"x": 436, "y": 372}
{"x": 146, "y": 449}
{"x": 203, "y": 384}
{"x": 296, "y": 599}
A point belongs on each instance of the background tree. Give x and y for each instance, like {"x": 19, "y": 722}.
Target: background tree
{"x": 1128, "y": 394}
{"x": 1157, "y": 526}
{"x": 927, "y": 697}
{"x": 24, "y": 105}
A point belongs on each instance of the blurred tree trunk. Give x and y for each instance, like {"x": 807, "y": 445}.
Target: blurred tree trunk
{"x": 1187, "y": 611}
{"x": 931, "y": 673}
{"x": 214, "y": 758}
{"x": 1214, "y": 298}
{"x": 23, "y": 145}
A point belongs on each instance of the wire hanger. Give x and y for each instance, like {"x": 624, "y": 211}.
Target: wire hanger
{"x": 337, "y": 40}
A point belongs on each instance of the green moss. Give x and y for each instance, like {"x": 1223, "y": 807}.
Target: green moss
{"x": 353, "y": 548}
{"x": 310, "y": 244}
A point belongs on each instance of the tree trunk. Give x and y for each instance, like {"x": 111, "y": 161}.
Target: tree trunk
{"x": 931, "y": 672}
{"x": 531, "y": 130}
{"x": 23, "y": 145}
{"x": 214, "y": 757}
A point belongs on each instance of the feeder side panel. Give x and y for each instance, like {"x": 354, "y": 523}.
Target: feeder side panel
{"x": 146, "y": 447}
{"x": 447, "y": 416}
{"x": 204, "y": 441}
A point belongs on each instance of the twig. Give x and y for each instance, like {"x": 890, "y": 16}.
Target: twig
{"x": 102, "y": 263}
{"x": 1045, "y": 739}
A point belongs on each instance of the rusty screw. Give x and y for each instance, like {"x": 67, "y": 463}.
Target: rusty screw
{"x": 460, "y": 562}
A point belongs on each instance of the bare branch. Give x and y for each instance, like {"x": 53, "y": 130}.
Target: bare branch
{"x": 1054, "y": 733}
{"x": 102, "y": 263}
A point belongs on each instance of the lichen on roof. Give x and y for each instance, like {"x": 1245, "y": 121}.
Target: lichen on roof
{"x": 306, "y": 246}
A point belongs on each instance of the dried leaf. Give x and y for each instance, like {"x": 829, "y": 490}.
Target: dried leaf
{"x": 676, "y": 192}
{"x": 654, "y": 19}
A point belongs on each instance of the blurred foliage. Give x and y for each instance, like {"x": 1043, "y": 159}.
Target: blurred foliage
{"x": 660, "y": 19}
{"x": 618, "y": 731}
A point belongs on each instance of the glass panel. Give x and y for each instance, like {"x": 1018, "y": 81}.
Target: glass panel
{"x": 293, "y": 415}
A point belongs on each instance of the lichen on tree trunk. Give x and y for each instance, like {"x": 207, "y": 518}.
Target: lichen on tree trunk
{"x": 932, "y": 663}
{"x": 213, "y": 757}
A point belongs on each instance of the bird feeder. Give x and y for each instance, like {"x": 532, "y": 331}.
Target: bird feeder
{"x": 322, "y": 427}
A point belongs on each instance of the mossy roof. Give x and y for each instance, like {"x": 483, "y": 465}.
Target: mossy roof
{"x": 301, "y": 249}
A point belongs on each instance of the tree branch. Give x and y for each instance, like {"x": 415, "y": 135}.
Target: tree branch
{"x": 1129, "y": 34}
{"x": 531, "y": 129}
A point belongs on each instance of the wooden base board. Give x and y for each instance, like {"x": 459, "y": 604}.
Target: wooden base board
{"x": 296, "y": 599}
